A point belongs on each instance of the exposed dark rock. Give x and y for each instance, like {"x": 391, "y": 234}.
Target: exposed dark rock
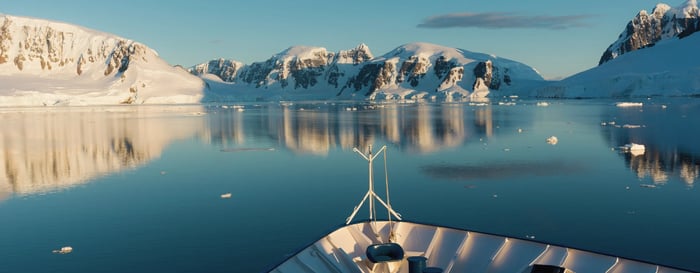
{"x": 413, "y": 69}
{"x": 5, "y": 40}
{"x": 485, "y": 71}
{"x": 256, "y": 73}
{"x": 224, "y": 69}
{"x": 366, "y": 77}
{"x": 692, "y": 28}
{"x": 443, "y": 66}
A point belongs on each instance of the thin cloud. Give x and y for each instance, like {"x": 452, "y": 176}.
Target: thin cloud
{"x": 502, "y": 20}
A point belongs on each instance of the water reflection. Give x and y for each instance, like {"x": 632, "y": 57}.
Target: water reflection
{"x": 669, "y": 133}
{"x": 45, "y": 150}
{"x": 501, "y": 170}
{"x": 318, "y": 128}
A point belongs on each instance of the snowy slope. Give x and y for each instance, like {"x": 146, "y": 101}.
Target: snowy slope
{"x": 670, "y": 68}
{"x": 51, "y": 63}
{"x": 410, "y": 71}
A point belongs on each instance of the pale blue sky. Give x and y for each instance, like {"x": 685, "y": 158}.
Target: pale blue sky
{"x": 558, "y": 38}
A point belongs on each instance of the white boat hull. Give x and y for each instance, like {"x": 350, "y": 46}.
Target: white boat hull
{"x": 452, "y": 250}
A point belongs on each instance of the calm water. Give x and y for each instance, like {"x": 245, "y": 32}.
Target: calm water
{"x": 137, "y": 189}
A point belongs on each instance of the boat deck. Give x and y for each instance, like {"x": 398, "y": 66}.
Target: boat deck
{"x": 451, "y": 250}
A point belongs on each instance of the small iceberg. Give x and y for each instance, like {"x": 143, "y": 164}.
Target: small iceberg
{"x": 634, "y": 149}
{"x": 226, "y": 195}
{"x": 63, "y": 250}
{"x": 542, "y": 104}
{"x": 552, "y": 140}
{"x": 631, "y": 126}
{"x": 629, "y": 104}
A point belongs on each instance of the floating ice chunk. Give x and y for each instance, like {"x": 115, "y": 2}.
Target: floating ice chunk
{"x": 506, "y": 103}
{"x": 631, "y": 126}
{"x": 224, "y": 106}
{"x": 63, "y": 250}
{"x": 542, "y": 103}
{"x": 634, "y": 149}
{"x": 552, "y": 140}
{"x": 663, "y": 106}
{"x": 629, "y": 104}
{"x": 647, "y": 185}
{"x": 226, "y": 195}
{"x": 634, "y": 146}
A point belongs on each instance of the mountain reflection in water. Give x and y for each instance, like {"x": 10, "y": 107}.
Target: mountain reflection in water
{"x": 163, "y": 212}
{"x": 49, "y": 149}
{"x": 317, "y": 128}
{"x": 669, "y": 133}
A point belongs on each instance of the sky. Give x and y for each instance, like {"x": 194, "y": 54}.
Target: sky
{"x": 559, "y": 38}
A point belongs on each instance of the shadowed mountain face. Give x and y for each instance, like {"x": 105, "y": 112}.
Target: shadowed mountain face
{"x": 646, "y": 29}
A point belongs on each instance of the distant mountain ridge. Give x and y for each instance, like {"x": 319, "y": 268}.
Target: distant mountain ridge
{"x": 646, "y": 29}
{"x": 52, "y": 63}
{"x": 77, "y": 65}
{"x": 410, "y": 71}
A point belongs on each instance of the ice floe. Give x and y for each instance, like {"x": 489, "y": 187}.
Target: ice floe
{"x": 629, "y": 104}
{"x": 634, "y": 149}
{"x": 63, "y": 250}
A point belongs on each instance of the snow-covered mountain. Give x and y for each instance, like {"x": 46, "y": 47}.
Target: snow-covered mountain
{"x": 47, "y": 63}
{"x": 670, "y": 68}
{"x": 656, "y": 55}
{"x": 410, "y": 71}
{"x": 647, "y": 29}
